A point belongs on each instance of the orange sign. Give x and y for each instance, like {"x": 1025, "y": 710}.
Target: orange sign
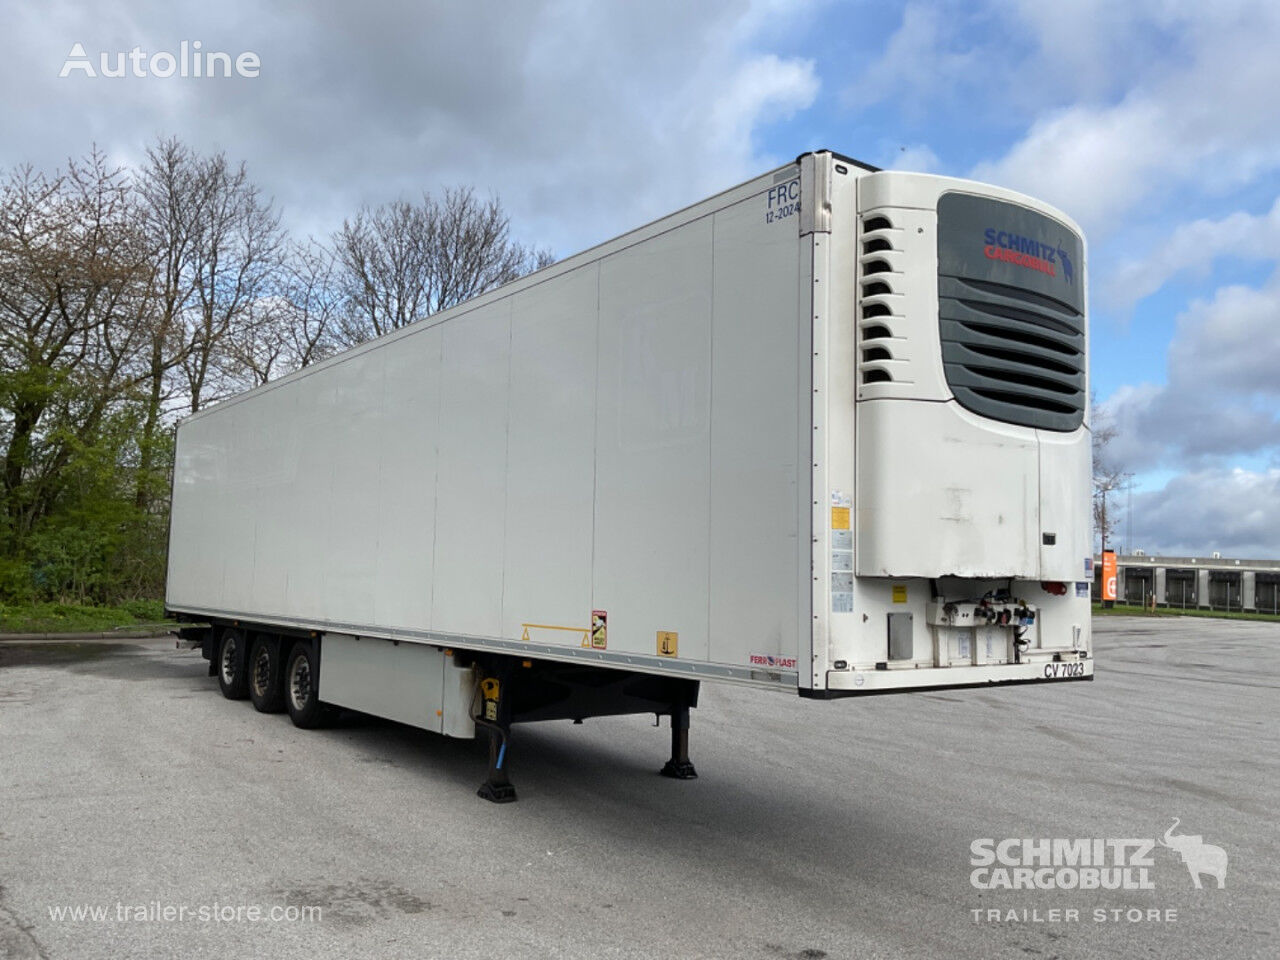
{"x": 1109, "y": 575}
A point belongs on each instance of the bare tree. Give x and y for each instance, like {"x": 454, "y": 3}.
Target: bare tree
{"x": 214, "y": 247}
{"x": 1108, "y": 478}
{"x": 314, "y": 303}
{"x": 401, "y": 262}
{"x": 474, "y": 251}
{"x": 236, "y": 263}
{"x": 294, "y": 327}
{"x": 172, "y": 200}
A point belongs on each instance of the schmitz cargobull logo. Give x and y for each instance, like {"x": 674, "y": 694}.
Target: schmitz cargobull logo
{"x": 1061, "y": 864}
{"x": 1027, "y": 252}
{"x": 1091, "y": 863}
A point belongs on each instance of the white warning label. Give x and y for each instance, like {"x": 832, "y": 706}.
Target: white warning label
{"x": 841, "y": 553}
{"x": 841, "y": 591}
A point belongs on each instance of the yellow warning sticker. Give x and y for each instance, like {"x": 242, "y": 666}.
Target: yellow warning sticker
{"x": 599, "y": 630}
{"x": 839, "y": 518}
{"x": 668, "y": 643}
{"x": 580, "y": 631}
{"x": 899, "y": 593}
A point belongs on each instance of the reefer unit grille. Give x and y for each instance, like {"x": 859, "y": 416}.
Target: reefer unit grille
{"x": 1012, "y": 355}
{"x": 1011, "y": 312}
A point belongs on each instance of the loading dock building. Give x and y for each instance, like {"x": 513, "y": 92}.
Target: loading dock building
{"x": 1207, "y": 583}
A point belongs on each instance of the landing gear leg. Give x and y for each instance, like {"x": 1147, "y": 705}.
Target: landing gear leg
{"x": 679, "y": 767}
{"x": 497, "y": 788}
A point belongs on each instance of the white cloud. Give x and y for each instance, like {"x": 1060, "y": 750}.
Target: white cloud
{"x": 1014, "y": 59}
{"x": 917, "y": 157}
{"x": 1198, "y": 119}
{"x": 1236, "y": 512}
{"x": 1230, "y": 343}
{"x": 1222, "y": 398}
{"x": 1084, "y": 44}
{"x": 1193, "y": 248}
{"x": 587, "y": 118}
{"x": 1129, "y": 410}
{"x": 921, "y": 58}
{"x": 762, "y": 87}
{"x": 1093, "y": 163}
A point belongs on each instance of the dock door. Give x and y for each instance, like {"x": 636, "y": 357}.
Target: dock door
{"x": 1267, "y": 593}
{"x": 1180, "y": 588}
{"x": 1224, "y": 590}
{"x": 1139, "y": 585}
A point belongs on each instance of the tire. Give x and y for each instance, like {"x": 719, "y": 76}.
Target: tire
{"x": 266, "y": 688}
{"x": 233, "y": 675}
{"x": 301, "y": 688}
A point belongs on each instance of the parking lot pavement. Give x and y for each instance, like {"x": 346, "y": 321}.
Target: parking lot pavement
{"x": 817, "y": 829}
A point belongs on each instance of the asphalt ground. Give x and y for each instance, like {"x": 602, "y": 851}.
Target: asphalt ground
{"x": 129, "y": 786}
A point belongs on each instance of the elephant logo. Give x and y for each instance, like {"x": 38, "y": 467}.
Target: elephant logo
{"x": 1067, "y": 270}
{"x": 1200, "y": 857}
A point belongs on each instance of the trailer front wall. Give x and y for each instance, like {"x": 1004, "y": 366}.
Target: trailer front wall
{"x": 621, "y": 433}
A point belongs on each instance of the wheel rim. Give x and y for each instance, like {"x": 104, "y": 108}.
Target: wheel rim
{"x": 300, "y": 683}
{"x": 262, "y": 671}
{"x": 229, "y": 660}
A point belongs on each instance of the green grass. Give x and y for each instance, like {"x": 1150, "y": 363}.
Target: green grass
{"x": 77, "y": 618}
{"x": 1126, "y": 610}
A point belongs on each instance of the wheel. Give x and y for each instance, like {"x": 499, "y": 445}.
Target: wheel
{"x": 301, "y": 689}
{"x": 265, "y": 687}
{"x": 233, "y": 675}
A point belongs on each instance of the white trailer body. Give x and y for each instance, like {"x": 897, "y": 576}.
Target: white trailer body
{"x": 825, "y": 431}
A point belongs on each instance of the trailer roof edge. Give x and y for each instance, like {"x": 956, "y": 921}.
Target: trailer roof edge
{"x": 841, "y": 157}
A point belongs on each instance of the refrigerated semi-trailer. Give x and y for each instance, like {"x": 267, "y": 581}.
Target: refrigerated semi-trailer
{"x": 825, "y": 432}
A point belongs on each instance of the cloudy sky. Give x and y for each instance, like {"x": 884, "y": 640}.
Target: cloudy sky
{"x": 1152, "y": 122}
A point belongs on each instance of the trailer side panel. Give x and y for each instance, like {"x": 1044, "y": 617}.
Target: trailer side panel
{"x": 599, "y": 464}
